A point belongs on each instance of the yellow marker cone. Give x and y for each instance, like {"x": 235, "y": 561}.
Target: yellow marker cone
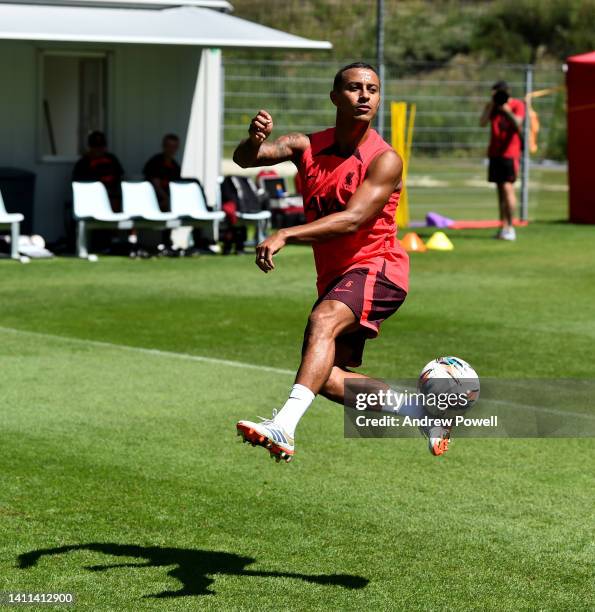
{"x": 440, "y": 242}
{"x": 412, "y": 242}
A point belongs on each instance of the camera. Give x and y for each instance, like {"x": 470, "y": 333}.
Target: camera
{"x": 500, "y": 97}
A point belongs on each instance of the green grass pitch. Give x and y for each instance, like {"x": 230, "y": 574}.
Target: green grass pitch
{"x": 123, "y": 482}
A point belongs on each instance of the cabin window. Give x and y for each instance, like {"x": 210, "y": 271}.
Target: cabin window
{"x": 73, "y": 102}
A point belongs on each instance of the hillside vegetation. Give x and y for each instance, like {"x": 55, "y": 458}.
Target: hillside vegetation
{"x": 435, "y": 49}
{"x": 513, "y": 31}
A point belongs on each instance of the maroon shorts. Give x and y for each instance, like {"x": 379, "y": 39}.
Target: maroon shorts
{"x": 372, "y": 297}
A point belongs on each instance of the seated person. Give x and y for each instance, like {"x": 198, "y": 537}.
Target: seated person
{"x": 160, "y": 170}
{"x": 97, "y": 164}
{"x": 163, "y": 168}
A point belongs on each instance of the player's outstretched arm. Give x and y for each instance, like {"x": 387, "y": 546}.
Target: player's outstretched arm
{"x": 383, "y": 177}
{"x": 255, "y": 151}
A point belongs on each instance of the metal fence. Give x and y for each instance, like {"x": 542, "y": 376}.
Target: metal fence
{"x": 449, "y": 146}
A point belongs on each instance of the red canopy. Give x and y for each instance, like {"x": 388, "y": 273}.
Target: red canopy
{"x": 587, "y": 58}
{"x": 580, "y": 84}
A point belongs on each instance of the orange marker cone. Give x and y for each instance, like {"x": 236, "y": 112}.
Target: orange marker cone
{"x": 412, "y": 242}
{"x": 439, "y": 241}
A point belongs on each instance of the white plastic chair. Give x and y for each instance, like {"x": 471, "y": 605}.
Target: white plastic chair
{"x": 92, "y": 209}
{"x": 261, "y": 221}
{"x": 139, "y": 201}
{"x": 13, "y": 220}
{"x": 187, "y": 201}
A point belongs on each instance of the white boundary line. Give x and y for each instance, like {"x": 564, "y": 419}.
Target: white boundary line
{"x": 231, "y": 363}
{"x": 561, "y": 413}
{"x": 147, "y": 351}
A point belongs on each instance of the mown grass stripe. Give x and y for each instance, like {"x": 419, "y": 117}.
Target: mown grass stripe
{"x": 148, "y": 351}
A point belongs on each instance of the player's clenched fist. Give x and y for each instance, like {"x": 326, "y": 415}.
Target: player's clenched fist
{"x": 260, "y": 127}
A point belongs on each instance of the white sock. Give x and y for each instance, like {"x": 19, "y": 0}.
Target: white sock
{"x": 394, "y": 402}
{"x": 294, "y": 408}
{"x": 411, "y": 409}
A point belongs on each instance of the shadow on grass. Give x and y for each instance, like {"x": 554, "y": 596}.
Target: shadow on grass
{"x": 193, "y": 568}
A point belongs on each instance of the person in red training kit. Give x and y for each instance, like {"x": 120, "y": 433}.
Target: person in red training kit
{"x": 351, "y": 183}
{"x": 505, "y": 116}
{"x": 98, "y": 164}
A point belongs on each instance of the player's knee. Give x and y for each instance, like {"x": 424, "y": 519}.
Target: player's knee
{"x": 332, "y": 388}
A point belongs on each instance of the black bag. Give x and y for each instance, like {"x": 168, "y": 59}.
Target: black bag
{"x": 242, "y": 191}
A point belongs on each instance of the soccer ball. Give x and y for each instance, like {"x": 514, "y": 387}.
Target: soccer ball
{"x": 450, "y": 386}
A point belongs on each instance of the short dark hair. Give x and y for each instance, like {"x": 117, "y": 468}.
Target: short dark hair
{"x": 500, "y": 86}
{"x": 171, "y": 137}
{"x": 339, "y": 76}
{"x": 96, "y": 139}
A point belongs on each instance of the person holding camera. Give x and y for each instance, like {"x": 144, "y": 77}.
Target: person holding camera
{"x": 505, "y": 116}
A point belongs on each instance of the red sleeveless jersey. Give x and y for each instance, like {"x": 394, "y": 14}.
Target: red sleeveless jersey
{"x": 329, "y": 179}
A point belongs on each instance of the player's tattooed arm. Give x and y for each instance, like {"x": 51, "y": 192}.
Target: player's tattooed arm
{"x": 383, "y": 177}
{"x": 255, "y": 151}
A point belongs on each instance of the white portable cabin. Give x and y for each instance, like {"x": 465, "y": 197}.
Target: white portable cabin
{"x": 136, "y": 69}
